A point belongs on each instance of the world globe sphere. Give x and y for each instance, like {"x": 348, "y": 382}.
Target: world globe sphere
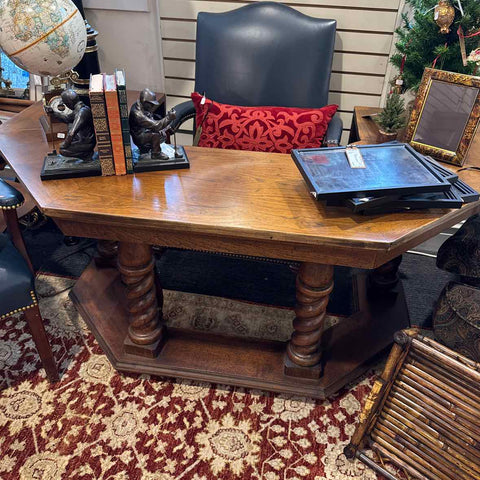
{"x": 43, "y": 37}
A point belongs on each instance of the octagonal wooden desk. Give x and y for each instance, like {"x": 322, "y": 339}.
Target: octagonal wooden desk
{"x": 235, "y": 202}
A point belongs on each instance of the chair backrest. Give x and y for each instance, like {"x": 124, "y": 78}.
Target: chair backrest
{"x": 265, "y": 53}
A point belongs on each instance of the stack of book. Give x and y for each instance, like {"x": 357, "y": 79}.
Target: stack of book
{"x": 375, "y": 179}
{"x": 108, "y": 101}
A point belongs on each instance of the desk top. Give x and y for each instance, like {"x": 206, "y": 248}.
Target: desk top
{"x": 247, "y": 196}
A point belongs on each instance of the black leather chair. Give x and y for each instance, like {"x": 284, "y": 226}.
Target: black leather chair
{"x": 265, "y": 53}
{"x": 17, "y": 289}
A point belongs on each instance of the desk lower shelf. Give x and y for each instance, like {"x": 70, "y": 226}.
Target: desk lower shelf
{"x": 350, "y": 346}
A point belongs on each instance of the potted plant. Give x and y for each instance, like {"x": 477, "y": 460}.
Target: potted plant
{"x": 391, "y": 119}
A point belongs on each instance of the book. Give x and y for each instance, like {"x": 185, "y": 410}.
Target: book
{"x": 100, "y": 123}
{"x": 114, "y": 125}
{"x": 122, "y": 101}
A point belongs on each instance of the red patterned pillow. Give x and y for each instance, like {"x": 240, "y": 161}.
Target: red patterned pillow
{"x": 262, "y": 129}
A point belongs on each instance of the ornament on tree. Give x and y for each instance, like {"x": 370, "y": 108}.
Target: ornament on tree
{"x": 397, "y": 84}
{"x": 444, "y": 15}
{"x": 419, "y": 41}
{"x": 474, "y": 56}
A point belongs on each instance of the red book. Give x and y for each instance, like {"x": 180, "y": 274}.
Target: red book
{"x": 114, "y": 124}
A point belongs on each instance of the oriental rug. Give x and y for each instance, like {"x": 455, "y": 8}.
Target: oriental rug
{"x": 97, "y": 423}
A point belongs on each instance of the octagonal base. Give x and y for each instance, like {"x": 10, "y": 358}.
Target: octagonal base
{"x": 349, "y": 347}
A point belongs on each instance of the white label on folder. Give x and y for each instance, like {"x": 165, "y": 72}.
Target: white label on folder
{"x": 355, "y": 158}
{"x": 61, "y": 135}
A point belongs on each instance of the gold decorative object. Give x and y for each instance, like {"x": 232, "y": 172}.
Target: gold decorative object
{"x": 397, "y": 84}
{"x": 445, "y": 116}
{"x": 444, "y": 15}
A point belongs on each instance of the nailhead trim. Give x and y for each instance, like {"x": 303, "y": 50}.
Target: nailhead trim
{"x": 22, "y": 309}
{"x": 12, "y": 207}
{"x": 239, "y": 255}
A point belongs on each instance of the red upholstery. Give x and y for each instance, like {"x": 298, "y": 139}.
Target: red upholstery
{"x": 262, "y": 129}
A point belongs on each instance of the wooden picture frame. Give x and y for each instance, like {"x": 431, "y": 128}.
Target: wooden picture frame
{"x": 445, "y": 115}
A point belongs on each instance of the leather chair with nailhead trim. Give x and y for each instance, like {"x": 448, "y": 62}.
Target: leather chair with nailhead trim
{"x": 17, "y": 278}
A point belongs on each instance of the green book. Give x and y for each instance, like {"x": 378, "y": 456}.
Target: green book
{"x": 100, "y": 123}
{"x": 122, "y": 102}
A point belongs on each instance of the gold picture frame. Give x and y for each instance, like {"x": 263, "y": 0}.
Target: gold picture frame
{"x": 445, "y": 116}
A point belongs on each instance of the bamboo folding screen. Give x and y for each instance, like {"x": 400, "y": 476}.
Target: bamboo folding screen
{"x": 423, "y": 414}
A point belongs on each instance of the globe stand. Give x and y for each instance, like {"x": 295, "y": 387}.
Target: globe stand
{"x": 56, "y": 166}
{"x": 89, "y": 64}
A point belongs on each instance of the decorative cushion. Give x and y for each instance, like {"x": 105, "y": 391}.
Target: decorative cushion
{"x": 460, "y": 254}
{"x": 261, "y": 129}
{"x": 456, "y": 319}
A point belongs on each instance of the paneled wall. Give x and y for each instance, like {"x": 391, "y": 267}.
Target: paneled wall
{"x": 363, "y": 44}
{"x": 129, "y": 37}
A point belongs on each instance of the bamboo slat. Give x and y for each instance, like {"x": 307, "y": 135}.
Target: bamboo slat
{"x": 397, "y": 460}
{"x": 465, "y": 367}
{"x": 442, "y": 375}
{"x": 449, "y": 401}
{"x": 427, "y": 422}
{"x": 411, "y": 458}
{"x": 446, "y": 440}
{"x": 368, "y": 461}
{"x": 449, "y": 392}
{"x": 435, "y": 417}
{"x": 456, "y": 377}
{"x": 442, "y": 465}
{"x": 378, "y": 391}
{"x": 432, "y": 449}
{"x": 460, "y": 422}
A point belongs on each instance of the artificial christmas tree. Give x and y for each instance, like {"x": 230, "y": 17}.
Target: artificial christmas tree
{"x": 421, "y": 44}
{"x": 391, "y": 119}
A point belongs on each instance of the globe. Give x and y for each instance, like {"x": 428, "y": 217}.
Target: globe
{"x": 44, "y": 37}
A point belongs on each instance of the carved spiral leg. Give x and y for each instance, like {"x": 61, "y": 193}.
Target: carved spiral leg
{"x": 385, "y": 277}
{"x": 314, "y": 285}
{"x": 137, "y": 267}
{"x": 106, "y": 256}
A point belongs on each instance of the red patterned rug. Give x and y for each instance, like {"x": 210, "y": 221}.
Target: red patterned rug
{"x": 99, "y": 424}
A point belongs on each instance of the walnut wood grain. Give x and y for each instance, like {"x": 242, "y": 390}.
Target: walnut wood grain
{"x": 35, "y": 323}
{"x": 249, "y": 196}
{"x": 107, "y": 252}
{"x": 364, "y": 130}
{"x": 13, "y": 228}
{"x": 363, "y": 127}
{"x": 386, "y": 276}
{"x": 314, "y": 285}
{"x": 348, "y": 348}
{"x": 234, "y": 202}
{"x": 137, "y": 267}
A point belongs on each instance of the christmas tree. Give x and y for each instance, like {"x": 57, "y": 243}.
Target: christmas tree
{"x": 422, "y": 45}
{"x": 392, "y": 117}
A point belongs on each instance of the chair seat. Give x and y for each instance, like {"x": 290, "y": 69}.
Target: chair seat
{"x": 16, "y": 279}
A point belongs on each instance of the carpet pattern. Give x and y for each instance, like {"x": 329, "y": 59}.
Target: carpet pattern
{"x": 99, "y": 424}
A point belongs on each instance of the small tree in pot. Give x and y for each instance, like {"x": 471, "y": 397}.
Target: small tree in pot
{"x": 391, "y": 119}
